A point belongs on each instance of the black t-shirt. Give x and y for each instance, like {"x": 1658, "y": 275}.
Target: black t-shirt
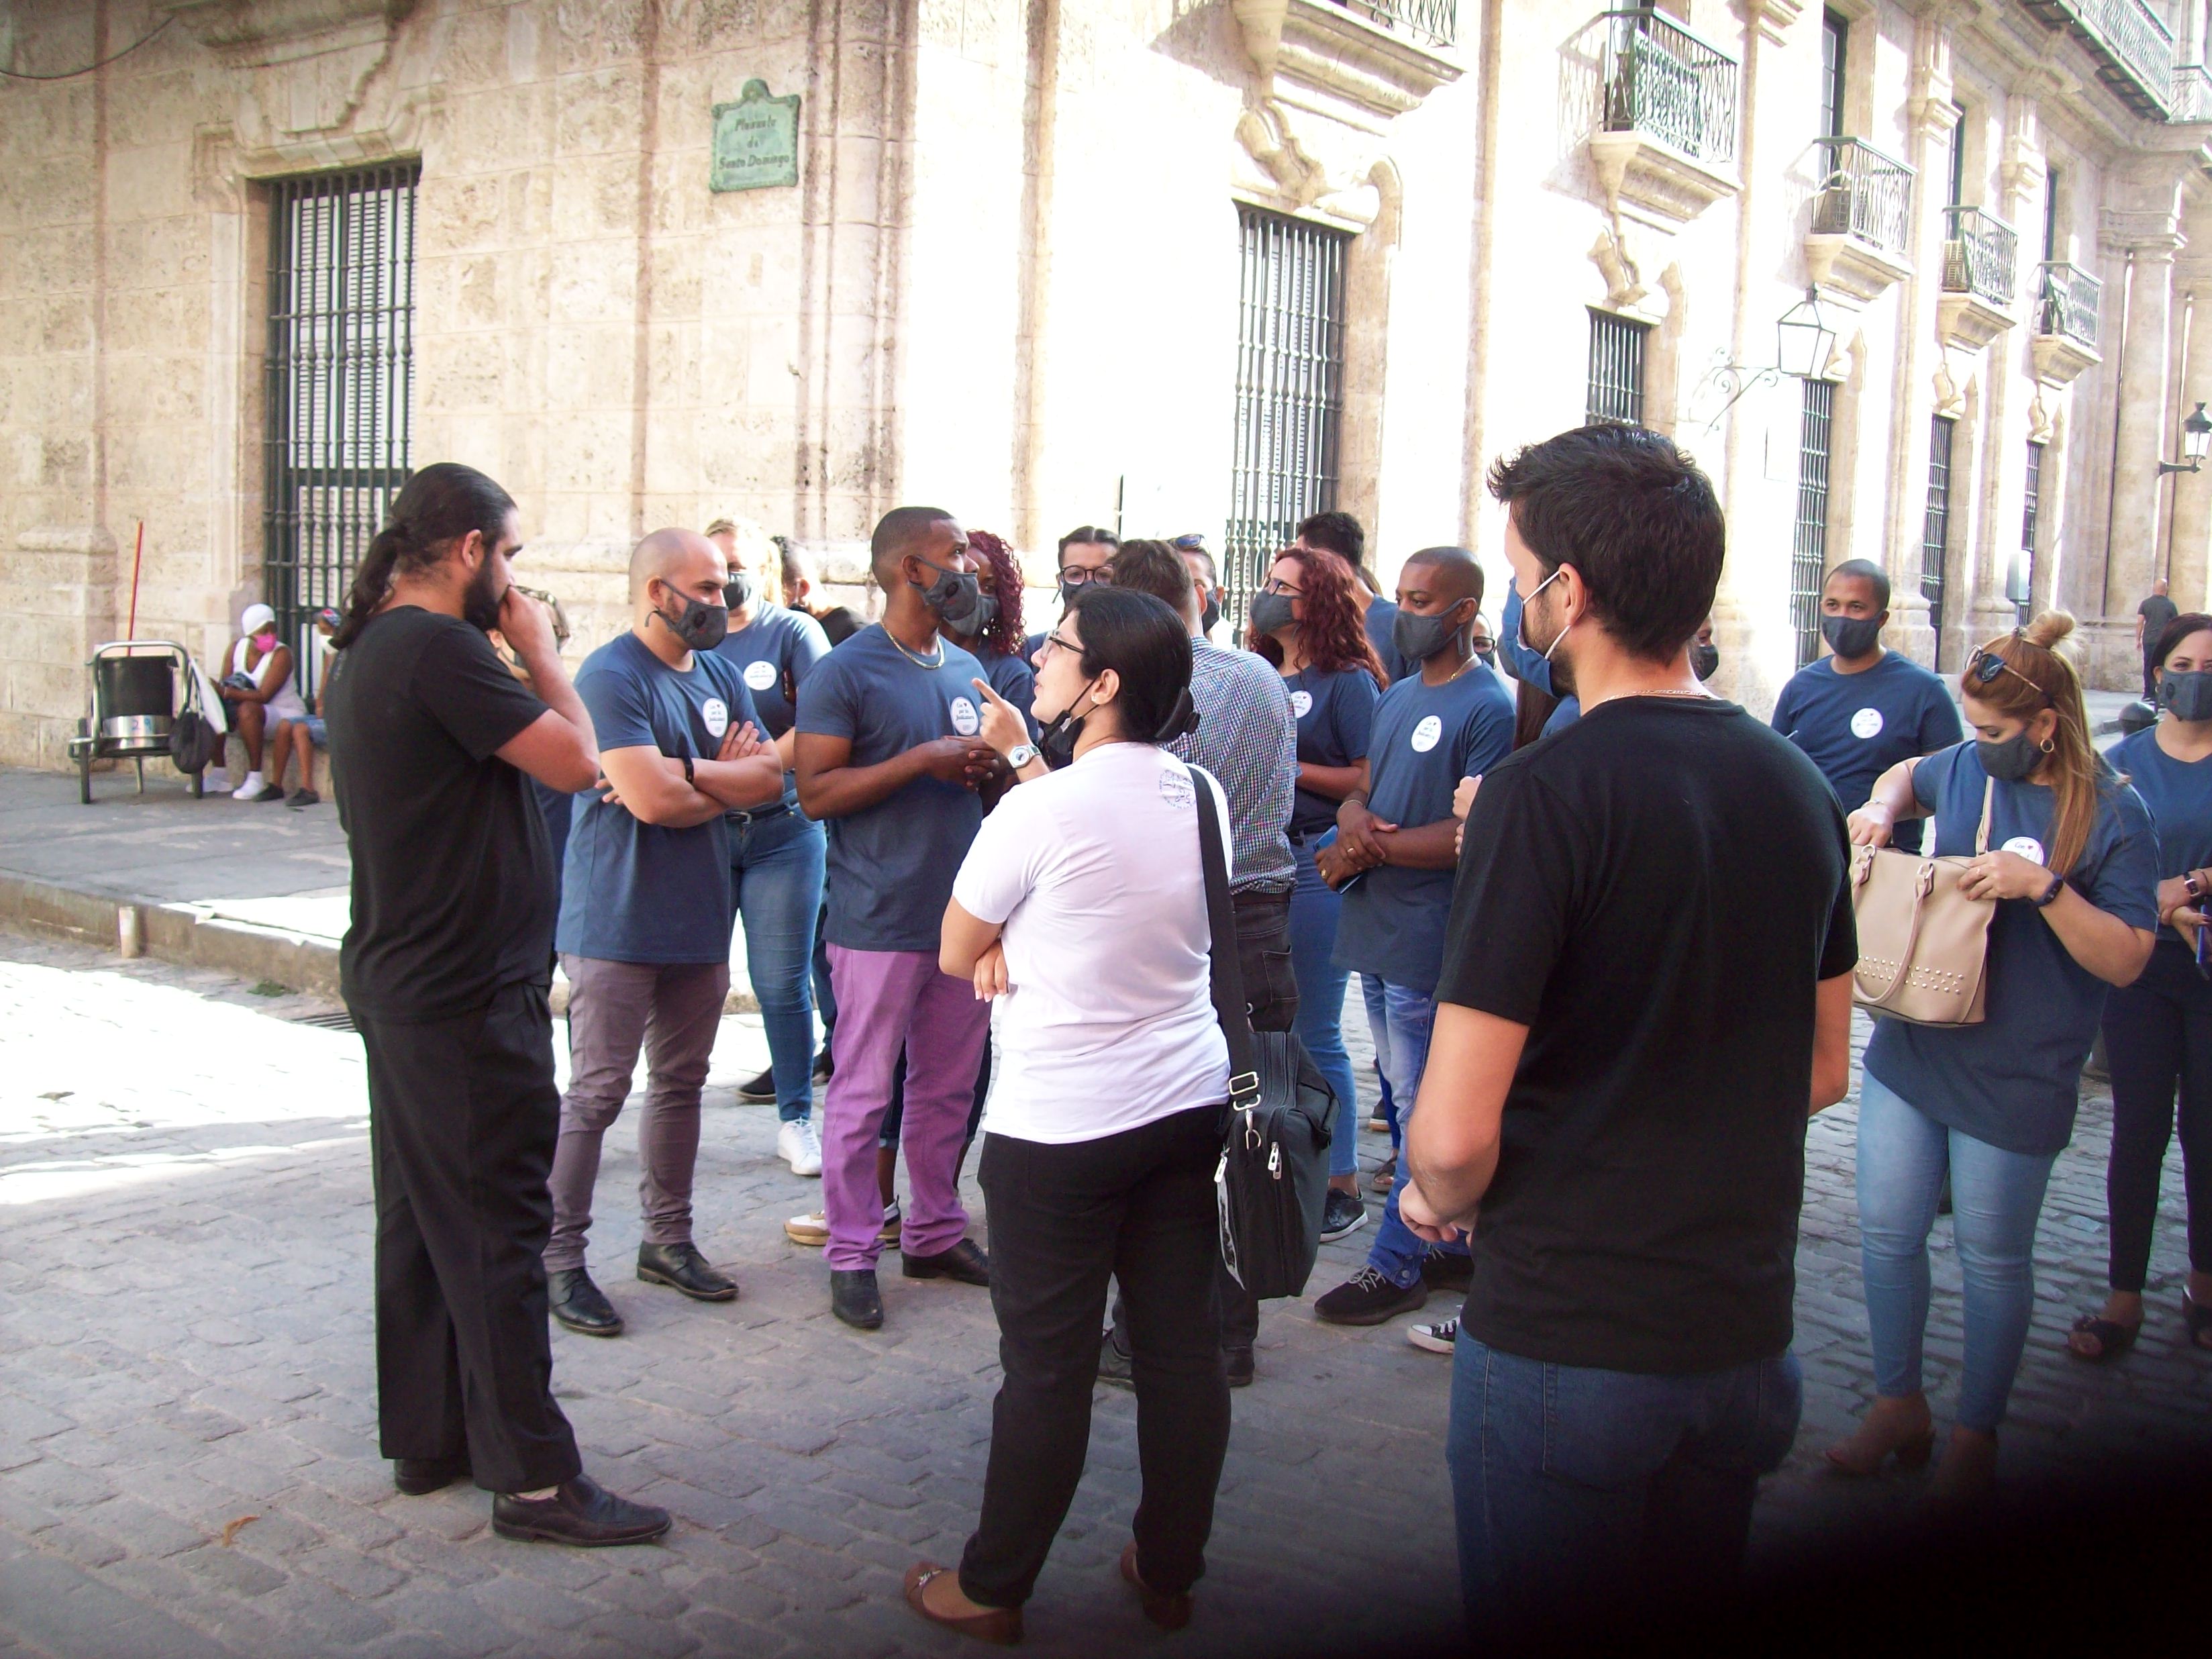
{"x": 454, "y": 893}
{"x": 2156, "y": 611}
{"x": 839, "y": 622}
{"x": 1654, "y": 891}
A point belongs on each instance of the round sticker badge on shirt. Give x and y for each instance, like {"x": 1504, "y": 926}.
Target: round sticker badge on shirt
{"x": 760, "y": 675}
{"x": 2026, "y": 845}
{"x": 1427, "y": 734}
{"x": 1176, "y": 788}
{"x": 716, "y": 714}
{"x": 1867, "y": 723}
{"x": 1301, "y": 704}
{"x": 965, "y": 720}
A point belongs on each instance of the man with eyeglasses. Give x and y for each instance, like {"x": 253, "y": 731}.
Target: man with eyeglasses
{"x": 1207, "y": 579}
{"x": 1086, "y": 555}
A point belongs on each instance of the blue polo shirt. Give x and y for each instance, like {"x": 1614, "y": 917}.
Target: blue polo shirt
{"x": 2013, "y": 1079}
{"x": 773, "y": 651}
{"x": 647, "y": 892}
{"x": 1425, "y": 739}
{"x": 2179, "y": 795}
{"x": 1010, "y": 675}
{"x": 1856, "y": 726}
{"x": 891, "y": 866}
{"x": 1335, "y": 712}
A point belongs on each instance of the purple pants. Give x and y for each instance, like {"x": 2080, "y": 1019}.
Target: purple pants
{"x": 887, "y": 1000}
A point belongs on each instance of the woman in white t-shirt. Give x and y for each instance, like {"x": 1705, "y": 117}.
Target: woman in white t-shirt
{"x": 1081, "y": 911}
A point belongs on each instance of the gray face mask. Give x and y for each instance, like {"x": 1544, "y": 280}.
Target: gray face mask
{"x": 2011, "y": 759}
{"x": 2186, "y": 696}
{"x": 1272, "y": 612}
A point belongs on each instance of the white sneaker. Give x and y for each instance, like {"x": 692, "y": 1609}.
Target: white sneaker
{"x": 1439, "y": 1338}
{"x": 215, "y": 780}
{"x": 252, "y": 789}
{"x": 797, "y": 1145}
{"x": 813, "y": 1227}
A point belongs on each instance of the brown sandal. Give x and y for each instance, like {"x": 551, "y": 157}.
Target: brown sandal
{"x": 1168, "y": 1612}
{"x": 1001, "y": 1627}
{"x": 2112, "y": 1337}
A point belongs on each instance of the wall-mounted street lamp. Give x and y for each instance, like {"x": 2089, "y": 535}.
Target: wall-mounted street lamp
{"x": 1803, "y": 342}
{"x": 2195, "y": 441}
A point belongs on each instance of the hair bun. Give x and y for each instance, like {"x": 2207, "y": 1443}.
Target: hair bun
{"x": 2048, "y": 628}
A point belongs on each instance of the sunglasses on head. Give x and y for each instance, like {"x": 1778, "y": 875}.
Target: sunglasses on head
{"x": 1984, "y": 666}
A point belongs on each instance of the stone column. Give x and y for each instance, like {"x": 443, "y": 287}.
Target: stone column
{"x": 57, "y": 602}
{"x": 2190, "y": 573}
{"x": 2145, "y": 432}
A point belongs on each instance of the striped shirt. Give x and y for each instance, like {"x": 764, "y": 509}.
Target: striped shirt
{"x": 1246, "y": 737}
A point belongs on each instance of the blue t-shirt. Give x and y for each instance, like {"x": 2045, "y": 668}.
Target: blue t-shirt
{"x": 2012, "y": 1080}
{"x": 1011, "y": 676}
{"x": 891, "y": 866}
{"x": 1335, "y": 713}
{"x": 1426, "y": 738}
{"x": 1381, "y": 624}
{"x": 777, "y": 650}
{"x": 1528, "y": 665}
{"x": 2179, "y": 795}
{"x": 1856, "y": 726}
{"x": 647, "y": 892}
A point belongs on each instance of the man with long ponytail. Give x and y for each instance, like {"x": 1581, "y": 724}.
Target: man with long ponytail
{"x": 445, "y": 969}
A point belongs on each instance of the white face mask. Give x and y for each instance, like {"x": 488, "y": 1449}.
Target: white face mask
{"x": 1530, "y": 600}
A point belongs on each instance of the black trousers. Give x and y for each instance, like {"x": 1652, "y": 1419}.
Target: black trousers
{"x": 1270, "y": 992}
{"x": 463, "y": 1115}
{"x": 2158, "y": 1035}
{"x": 1138, "y": 1205}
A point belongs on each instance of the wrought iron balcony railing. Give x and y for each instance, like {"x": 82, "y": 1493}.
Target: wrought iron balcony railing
{"x": 1863, "y": 193}
{"x": 1981, "y": 255}
{"x": 2068, "y": 300}
{"x": 2192, "y": 94}
{"x": 1435, "y": 22}
{"x": 2131, "y": 42}
{"x": 1664, "y": 82}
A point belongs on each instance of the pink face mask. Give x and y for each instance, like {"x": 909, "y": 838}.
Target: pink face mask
{"x": 266, "y": 639}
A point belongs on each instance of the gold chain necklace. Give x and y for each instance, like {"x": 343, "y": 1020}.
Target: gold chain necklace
{"x": 918, "y": 660}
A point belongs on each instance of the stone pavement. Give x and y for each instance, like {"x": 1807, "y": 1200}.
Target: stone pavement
{"x": 188, "y": 1462}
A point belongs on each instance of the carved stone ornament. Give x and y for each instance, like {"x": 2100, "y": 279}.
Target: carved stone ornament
{"x": 1950, "y": 401}
{"x": 1969, "y": 322}
{"x": 1623, "y": 289}
{"x": 1846, "y": 268}
{"x": 2039, "y": 419}
{"x": 1646, "y": 181}
{"x": 2059, "y": 358}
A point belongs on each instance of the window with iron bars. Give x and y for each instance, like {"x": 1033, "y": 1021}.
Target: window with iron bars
{"x": 1615, "y": 389}
{"x": 1935, "y": 526}
{"x": 340, "y": 380}
{"x": 1809, "y": 549}
{"x": 1290, "y": 391}
{"x": 2021, "y": 587}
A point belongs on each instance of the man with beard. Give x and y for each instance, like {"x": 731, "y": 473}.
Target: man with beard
{"x": 890, "y": 752}
{"x": 445, "y": 970}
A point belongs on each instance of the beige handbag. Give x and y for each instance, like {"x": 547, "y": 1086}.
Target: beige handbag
{"x": 1924, "y": 945}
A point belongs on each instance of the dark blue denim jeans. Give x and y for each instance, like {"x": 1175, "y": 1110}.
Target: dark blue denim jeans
{"x": 1314, "y": 910}
{"x": 775, "y": 876}
{"x": 1580, "y": 1493}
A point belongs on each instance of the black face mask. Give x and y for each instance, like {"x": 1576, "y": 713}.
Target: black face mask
{"x": 740, "y": 589}
{"x": 1209, "y": 616}
{"x": 1851, "y": 636}
{"x": 1272, "y": 612}
{"x": 1705, "y": 659}
{"x": 2185, "y": 696}
{"x": 699, "y": 625}
{"x": 1062, "y": 733}
{"x": 1419, "y": 638}
{"x": 987, "y": 612}
{"x": 2010, "y": 760}
{"x": 957, "y": 597}
{"x": 479, "y": 604}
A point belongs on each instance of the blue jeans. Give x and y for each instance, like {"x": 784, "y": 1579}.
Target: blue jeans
{"x": 1577, "y": 1489}
{"x": 1996, "y": 1198}
{"x": 1378, "y": 1028}
{"x": 1401, "y": 1045}
{"x": 1322, "y": 983}
{"x": 825, "y": 998}
{"x": 775, "y": 876}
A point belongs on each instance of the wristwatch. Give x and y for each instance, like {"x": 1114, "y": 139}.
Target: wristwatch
{"x": 1017, "y": 758}
{"x": 2058, "y": 886}
{"x": 688, "y": 776}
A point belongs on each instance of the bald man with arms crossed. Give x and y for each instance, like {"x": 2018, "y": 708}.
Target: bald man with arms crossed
{"x": 644, "y": 935}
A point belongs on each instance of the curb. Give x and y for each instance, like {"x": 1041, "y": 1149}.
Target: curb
{"x": 194, "y": 936}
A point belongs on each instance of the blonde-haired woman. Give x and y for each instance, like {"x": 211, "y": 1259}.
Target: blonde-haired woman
{"x": 2073, "y": 862}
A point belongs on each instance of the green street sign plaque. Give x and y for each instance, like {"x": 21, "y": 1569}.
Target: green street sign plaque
{"x": 756, "y": 141}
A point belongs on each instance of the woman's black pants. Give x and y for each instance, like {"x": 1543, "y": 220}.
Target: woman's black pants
{"x": 1138, "y": 1207}
{"x": 2158, "y": 1036}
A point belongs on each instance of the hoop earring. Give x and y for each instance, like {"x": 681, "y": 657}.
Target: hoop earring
{"x": 2050, "y": 746}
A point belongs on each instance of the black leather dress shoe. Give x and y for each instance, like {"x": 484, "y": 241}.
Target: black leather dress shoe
{"x": 853, "y": 1298}
{"x": 416, "y": 1475}
{"x": 581, "y": 1512}
{"x": 823, "y": 1066}
{"x": 762, "y": 1087}
{"x": 965, "y": 1261}
{"x": 580, "y": 1305}
{"x": 682, "y": 1267}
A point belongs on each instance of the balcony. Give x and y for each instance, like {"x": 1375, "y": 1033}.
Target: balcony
{"x": 2192, "y": 94}
{"x": 1862, "y": 216}
{"x": 1432, "y": 23}
{"x": 2133, "y": 47}
{"x": 1667, "y": 118}
{"x": 2067, "y": 304}
{"x": 1981, "y": 259}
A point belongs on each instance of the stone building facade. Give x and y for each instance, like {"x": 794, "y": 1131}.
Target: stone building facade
{"x": 1171, "y": 264}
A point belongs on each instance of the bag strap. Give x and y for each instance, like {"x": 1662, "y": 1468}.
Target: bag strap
{"x": 1226, "y": 974}
{"x": 1988, "y": 798}
{"x": 1924, "y": 884}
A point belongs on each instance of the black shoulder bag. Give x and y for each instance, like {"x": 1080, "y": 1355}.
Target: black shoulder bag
{"x": 1273, "y": 1175}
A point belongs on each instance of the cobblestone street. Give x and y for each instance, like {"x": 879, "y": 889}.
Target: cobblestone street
{"x": 188, "y": 1460}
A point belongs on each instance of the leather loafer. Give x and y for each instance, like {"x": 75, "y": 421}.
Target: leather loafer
{"x": 580, "y": 1512}
{"x": 416, "y": 1475}
{"x": 682, "y": 1267}
{"x": 1237, "y": 1367}
{"x": 965, "y": 1261}
{"x": 1168, "y": 1612}
{"x": 1001, "y": 1627}
{"x": 580, "y": 1305}
{"x": 853, "y": 1298}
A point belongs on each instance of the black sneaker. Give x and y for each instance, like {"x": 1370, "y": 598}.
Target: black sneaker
{"x": 1368, "y": 1298}
{"x": 823, "y": 1065}
{"x": 762, "y": 1089}
{"x": 1340, "y": 1214}
{"x": 581, "y": 1511}
{"x": 853, "y": 1298}
{"x": 580, "y": 1305}
{"x": 1447, "y": 1270}
{"x": 1237, "y": 1367}
{"x": 303, "y": 797}
{"x": 1115, "y": 1366}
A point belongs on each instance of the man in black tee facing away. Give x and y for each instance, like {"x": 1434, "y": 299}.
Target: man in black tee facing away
{"x": 1646, "y": 984}
{"x": 444, "y": 969}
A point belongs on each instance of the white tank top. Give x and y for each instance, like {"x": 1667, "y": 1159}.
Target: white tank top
{"x": 286, "y": 704}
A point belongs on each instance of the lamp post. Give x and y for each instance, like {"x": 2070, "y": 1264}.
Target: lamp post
{"x": 2195, "y": 441}
{"x": 1803, "y": 342}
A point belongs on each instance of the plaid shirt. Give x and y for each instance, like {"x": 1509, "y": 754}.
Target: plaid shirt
{"x": 1248, "y": 737}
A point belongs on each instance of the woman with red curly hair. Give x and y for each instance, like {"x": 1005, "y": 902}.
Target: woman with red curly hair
{"x": 1307, "y": 621}
{"x": 997, "y": 640}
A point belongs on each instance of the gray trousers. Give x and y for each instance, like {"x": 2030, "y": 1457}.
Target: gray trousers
{"x": 614, "y": 1008}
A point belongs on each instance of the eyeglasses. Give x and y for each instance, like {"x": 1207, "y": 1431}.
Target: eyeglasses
{"x": 1281, "y": 589}
{"x": 1984, "y": 666}
{"x": 1053, "y": 643}
{"x": 1078, "y": 575}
